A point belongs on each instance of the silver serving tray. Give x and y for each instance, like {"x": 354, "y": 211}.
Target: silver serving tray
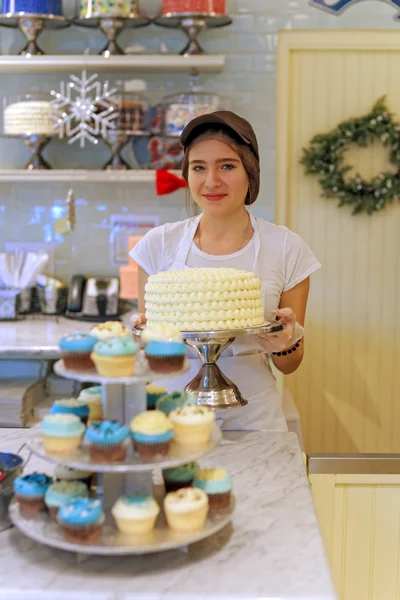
{"x": 44, "y": 530}
{"x": 177, "y": 455}
{"x": 220, "y": 333}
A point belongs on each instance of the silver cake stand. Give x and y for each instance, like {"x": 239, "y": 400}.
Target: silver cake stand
{"x": 36, "y": 142}
{"x": 112, "y": 27}
{"x": 31, "y": 25}
{"x": 210, "y": 386}
{"x": 192, "y": 24}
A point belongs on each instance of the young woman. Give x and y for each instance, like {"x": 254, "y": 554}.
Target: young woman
{"x": 222, "y": 169}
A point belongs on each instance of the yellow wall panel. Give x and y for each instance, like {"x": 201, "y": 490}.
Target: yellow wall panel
{"x": 346, "y": 389}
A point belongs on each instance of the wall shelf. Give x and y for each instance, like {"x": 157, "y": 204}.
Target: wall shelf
{"x": 74, "y": 175}
{"x": 137, "y": 62}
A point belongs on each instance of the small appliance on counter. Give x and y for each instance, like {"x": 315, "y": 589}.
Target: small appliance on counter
{"x": 93, "y": 298}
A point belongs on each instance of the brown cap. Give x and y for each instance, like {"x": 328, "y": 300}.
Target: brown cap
{"x": 226, "y": 119}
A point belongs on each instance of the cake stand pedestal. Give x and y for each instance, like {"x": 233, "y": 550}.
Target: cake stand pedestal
{"x": 210, "y": 386}
{"x": 31, "y": 25}
{"x": 192, "y": 24}
{"x": 112, "y": 27}
{"x": 36, "y": 142}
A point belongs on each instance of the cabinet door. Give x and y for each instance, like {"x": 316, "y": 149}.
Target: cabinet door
{"x": 347, "y": 389}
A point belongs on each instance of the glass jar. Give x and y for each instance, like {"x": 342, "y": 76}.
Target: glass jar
{"x": 132, "y": 110}
{"x": 175, "y": 111}
{"x": 28, "y": 114}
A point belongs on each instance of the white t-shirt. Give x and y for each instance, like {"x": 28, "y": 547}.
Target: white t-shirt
{"x": 284, "y": 260}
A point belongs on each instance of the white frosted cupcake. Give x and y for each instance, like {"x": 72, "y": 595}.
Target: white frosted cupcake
{"x": 135, "y": 513}
{"x": 192, "y": 424}
{"x": 161, "y": 331}
{"x": 108, "y": 330}
{"x": 92, "y": 397}
{"x": 186, "y": 509}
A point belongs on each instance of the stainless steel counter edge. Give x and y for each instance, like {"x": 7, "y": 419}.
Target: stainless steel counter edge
{"x": 357, "y": 464}
{"x": 30, "y": 352}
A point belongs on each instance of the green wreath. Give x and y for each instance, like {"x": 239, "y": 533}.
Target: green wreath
{"x": 325, "y": 157}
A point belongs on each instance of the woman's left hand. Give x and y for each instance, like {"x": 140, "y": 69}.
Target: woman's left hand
{"x": 276, "y": 342}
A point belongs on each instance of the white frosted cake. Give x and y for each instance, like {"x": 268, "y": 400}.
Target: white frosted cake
{"x": 204, "y": 299}
{"x": 28, "y": 117}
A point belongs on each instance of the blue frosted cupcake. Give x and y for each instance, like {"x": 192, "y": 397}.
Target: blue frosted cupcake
{"x": 164, "y": 348}
{"x": 151, "y": 433}
{"x": 107, "y": 441}
{"x": 115, "y": 357}
{"x": 175, "y": 400}
{"x": 76, "y": 349}
{"x": 217, "y": 484}
{"x": 30, "y": 490}
{"x": 63, "y": 492}
{"x": 81, "y": 520}
{"x": 71, "y": 406}
{"x": 179, "y": 477}
{"x": 153, "y": 393}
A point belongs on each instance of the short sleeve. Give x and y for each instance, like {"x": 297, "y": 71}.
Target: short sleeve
{"x": 148, "y": 250}
{"x": 299, "y": 261}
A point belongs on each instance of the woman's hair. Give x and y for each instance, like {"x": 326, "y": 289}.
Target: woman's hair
{"x": 250, "y": 162}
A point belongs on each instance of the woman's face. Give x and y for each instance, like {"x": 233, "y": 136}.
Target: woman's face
{"x": 217, "y": 178}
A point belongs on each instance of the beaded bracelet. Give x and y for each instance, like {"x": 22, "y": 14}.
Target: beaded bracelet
{"x": 289, "y": 351}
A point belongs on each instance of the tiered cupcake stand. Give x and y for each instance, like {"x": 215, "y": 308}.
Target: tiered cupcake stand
{"x": 123, "y": 398}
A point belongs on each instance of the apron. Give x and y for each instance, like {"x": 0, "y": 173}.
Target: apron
{"x": 251, "y": 373}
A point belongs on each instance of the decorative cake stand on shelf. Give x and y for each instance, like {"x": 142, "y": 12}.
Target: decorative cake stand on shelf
{"x": 133, "y": 475}
{"x": 192, "y": 24}
{"x": 36, "y": 142}
{"x": 31, "y": 25}
{"x": 112, "y": 27}
{"x": 116, "y": 140}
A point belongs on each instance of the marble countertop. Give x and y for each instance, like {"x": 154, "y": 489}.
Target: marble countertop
{"x": 271, "y": 550}
{"x": 37, "y": 337}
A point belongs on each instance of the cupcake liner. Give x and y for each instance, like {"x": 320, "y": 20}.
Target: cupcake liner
{"x": 191, "y": 521}
{"x": 77, "y": 361}
{"x": 84, "y": 534}
{"x": 165, "y": 364}
{"x": 152, "y": 449}
{"x": 108, "y": 453}
{"x": 219, "y": 501}
{"x": 53, "y": 511}
{"x": 31, "y": 504}
{"x": 114, "y": 366}
{"x": 173, "y": 486}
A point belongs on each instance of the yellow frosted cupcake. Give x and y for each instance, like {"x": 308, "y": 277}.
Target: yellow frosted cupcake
{"x": 108, "y": 330}
{"x": 151, "y": 433}
{"x": 115, "y": 357}
{"x": 135, "y": 513}
{"x": 192, "y": 424}
{"x": 61, "y": 433}
{"x": 92, "y": 397}
{"x": 186, "y": 509}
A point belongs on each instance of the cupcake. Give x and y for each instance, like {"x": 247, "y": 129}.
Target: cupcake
{"x": 164, "y": 348}
{"x": 63, "y": 492}
{"x": 92, "y": 397}
{"x": 107, "y": 441}
{"x": 154, "y": 393}
{"x": 29, "y": 492}
{"x": 179, "y": 477}
{"x": 61, "y": 433}
{"x": 63, "y": 473}
{"x": 175, "y": 400}
{"x": 71, "y": 406}
{"x": 75, "y": 351}
{"x": 109, "y": 329}
{"x": 186, "y": 509}
{"x": 151, "y": 433}
{"x": 135, "y": 513}
{"x": 115, "y": 357}
{"x": 81, "y": 520}
{"x": 217, "y": 484}
{"x": 192, "y": 424}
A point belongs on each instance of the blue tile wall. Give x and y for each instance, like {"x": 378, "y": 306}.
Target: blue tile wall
{"x": 249, "y": 79}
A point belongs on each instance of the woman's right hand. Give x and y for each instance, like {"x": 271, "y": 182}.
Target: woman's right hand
{"x": 137, "y": 319}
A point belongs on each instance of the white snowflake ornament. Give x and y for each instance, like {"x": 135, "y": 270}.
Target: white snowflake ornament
{"x": 80, "y": 115}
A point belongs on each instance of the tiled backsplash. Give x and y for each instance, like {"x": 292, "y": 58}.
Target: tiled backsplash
{"x": 27, "y": 210}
